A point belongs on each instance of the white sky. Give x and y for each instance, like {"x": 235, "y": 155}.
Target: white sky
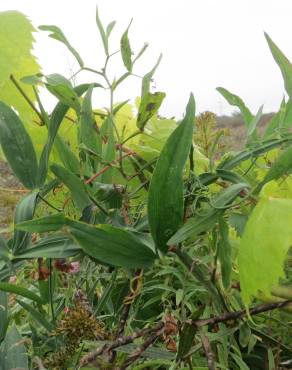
{"x": 205, "y": 44}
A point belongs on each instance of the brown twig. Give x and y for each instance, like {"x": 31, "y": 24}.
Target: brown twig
{"x": 119, "y": 342}
{"x": 208, "y": 352}
{"x": 22, "y": 92}
{"x": 136, "y": 354}
{"x": 92, "y": 178}
{"x": 239, "y": 314}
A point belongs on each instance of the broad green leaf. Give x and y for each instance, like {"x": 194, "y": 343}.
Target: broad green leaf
{"x": 55, "y": 246}
{"x": 88, "y": 134}
{"x": 224, "y": 253}
{"x": 112, "y": 245}
{"x": 148, "y": 77}
{"x": 283, "y": 63}
{"x": 237, "y": 102}
{"x": 165, "y": 200}
{"x": 44, "y": 224}
{"x": 126, "y": 50}
{"x": 265, "y": 242}
{"x": 56, "y": 119}
{"x": 13, "y": 351}
{"x": 195, "y": 226}
{"x": 17, "y": 147}
{"x": 74, "y": 184}
{"x": 63, "y": 90}
{"x": 23, "y": 292}
{"x": 150, "y": 103}
{"x": 37, "y": 316}
{"x": 16, "y": 43}
{"x": 24, "y": 211}
{"x": 57, "y": 34}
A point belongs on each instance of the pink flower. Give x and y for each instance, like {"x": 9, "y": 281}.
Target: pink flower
{"x": 74, "y": 267}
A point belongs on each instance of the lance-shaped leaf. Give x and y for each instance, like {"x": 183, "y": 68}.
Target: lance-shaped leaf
{"x": 74, "y": 184}
{"x": 44, "y": 224}
{"x": 4, "y": 320}
{"x": 237, "y": 102}
{"x": 165, "y": 200}
{"x": 148, "y": 77}
{"x": 126, "y": 50}
{"x": 103, "y": 34}
{"x": 56, "y": 119}
{"x": 63, "y": 90}
{"x": 23, "y": 292}
{"x": 17, "y": 147}
{"x": 54, "y": 246}
{"x": 150, "y": 103}
{"x": 57, "y": 34}
{"x": 24, "y": 211}
{"x": 88, "y": 134}
{"x": 283, "y": 63}
{"x": 224, "y": 253}
{"x": 111, "y": 245}
{"x": 66, "y": 155}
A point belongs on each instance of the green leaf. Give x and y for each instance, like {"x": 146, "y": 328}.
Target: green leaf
{"x": 13, "y": 351}
{"x": 254, "y": 122}
{"x": 63, "y": 90}
{"x": 4, "y": 321}
{"x": 17, "y": 147}
{"x": 16, "y": 29}
{"x": 74, "y": 184}
{"x": 283, "y": 63}
{"x": 282, "y": 166}
{"x": 44, "y": 224}
{"x": 224, "y": 253}
{"x": 109, "y": 29}
{"x": 24, "y": 211}
{"x": 150, "y": 103}
{"x": 37, "y": 316}
{"x": 225, "y": 197}
{"x": 148, "y": 77}
{"x": 55, "y": 246}
{"x": 237, "y": 102}
{"x": 57, "y": 34}
{"x": 265, "y": 242}
{"x": 103, "y": 35}
{"x": 195, "y": 226}
{"x": 88, "y": 130}
{"x": 165, "y": 200}
{"x": 15, "y": 289}
{"x": 112, "y": 245}
{"x": 278, "y": 119}
{"x": 56, "y": 119}
{"x": 66, "y": 155}
{"x": 126, "y": 50}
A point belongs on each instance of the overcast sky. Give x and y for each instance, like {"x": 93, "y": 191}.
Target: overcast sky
{"x": 205, "y": 44}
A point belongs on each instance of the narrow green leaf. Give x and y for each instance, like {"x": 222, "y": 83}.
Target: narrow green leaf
{"x": 102, "y": 32}
{"x": 66, "y": 155}
{"x": 126, "y": 50}
{"x": 63, "y": 90}
{"x": 17, "y": 147}
{"x": 277, "y": 121}
{"x": 254, "y": 122}
{"x": 150, "y": 103}
{"x": 3, "y": 314}
{"x": 88, "y": 134}
{"x": 237, "y": 102}
{"x": 148, "y": 77}
{"x": 55, "y": 246}
{"x": 44, "y": 224}
{"x": 74, "y": 184}
{"x": 57, "y": 34}
{"x": 283, "y": 63}
{"x": 165, "y": 200}
{"x": 112, "y": 245}
{"x": 24, "y": 211}
{"x": 195, "y": 226}
{"x": 109, "y": 29}
{"x": 37, "y": 316}
{"x": 224, "y": 198}
{"x": 224, "y": 253}
{"x": 55, "y": 121}
{"x": 15, "y": 289}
